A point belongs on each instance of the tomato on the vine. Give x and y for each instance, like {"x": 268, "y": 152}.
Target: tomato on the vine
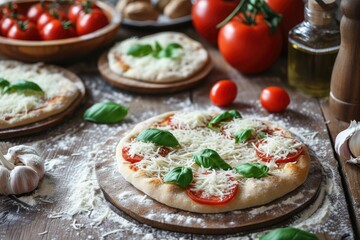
{"x": 292, "y": 14}
{"x": 24, "y": 30}
{"x": 274, "y": 99}
{"x": 91, "y": 21}
{"x": 206, "y": 14}
{"x": 223, "y": 93}
{"x": 249, "y": 48}
{"x": 35, "y": 11}
{"x": 57, "y": 29}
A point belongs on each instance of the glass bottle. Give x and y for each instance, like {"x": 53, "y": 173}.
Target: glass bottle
{"x": 312, "y": 50}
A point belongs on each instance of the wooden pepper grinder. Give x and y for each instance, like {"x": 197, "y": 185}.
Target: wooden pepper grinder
{"x": 345, "y": 79}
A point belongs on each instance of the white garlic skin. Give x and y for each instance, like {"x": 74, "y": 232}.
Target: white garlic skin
{"x": 354, "y": 144}
{"x": 23, "y": 179}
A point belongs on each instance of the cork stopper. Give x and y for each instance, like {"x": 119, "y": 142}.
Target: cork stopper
{"x": 319, "y": 11}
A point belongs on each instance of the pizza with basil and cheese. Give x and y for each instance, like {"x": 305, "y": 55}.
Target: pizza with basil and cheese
{"x": 210, "y": 163}
{"x": 158, "y": 58}
{"x": 32, "y": 92}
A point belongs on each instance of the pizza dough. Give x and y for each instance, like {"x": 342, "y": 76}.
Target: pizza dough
{"x": 18, "y": 109}
{"x": 191, "y": 58}
{"x": 191, "y": 131}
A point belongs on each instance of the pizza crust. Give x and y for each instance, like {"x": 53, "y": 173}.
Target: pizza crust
{"x": 192, "y": 57}
{"x": 60, "y": 93}
{"x": 252, "y": 192}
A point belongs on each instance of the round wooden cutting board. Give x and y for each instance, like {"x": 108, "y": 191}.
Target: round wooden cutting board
{"x": 125, "y": 197}
{"x": 51, "y": 121}
{"x": 148, "y": 87}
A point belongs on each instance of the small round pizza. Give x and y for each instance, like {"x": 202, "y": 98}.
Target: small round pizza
{"x": 32, "y": 92}
{"x": 158, "y": 58}
{"x": 209, "y": 163}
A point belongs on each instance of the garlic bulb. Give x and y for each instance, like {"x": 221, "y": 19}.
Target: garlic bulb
{"x": 20, "y": 170}
{"x": 347, "y": 143}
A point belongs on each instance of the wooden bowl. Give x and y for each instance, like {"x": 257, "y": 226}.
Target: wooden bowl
{"x": 64, "y": 49}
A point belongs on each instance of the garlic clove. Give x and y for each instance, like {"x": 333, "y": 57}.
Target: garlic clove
{"x": 23, "y": 179}
{"x": 4, "y": 180}
{"x": 347, "y": 142}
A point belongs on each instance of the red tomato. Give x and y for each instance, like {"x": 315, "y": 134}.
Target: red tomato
{"x": 24, "y": 31}
{"x": 274, "y": 99}
{"x": 11, "y": 8}
{"x": 197, "y": 196}
{"x": 206, "y": 14}
{"x": 223, "y": 93}
{"x": 6, "y": 24}
{"x": 292, "y": 14}
{"x": 47, "y": 16}
{"x": 249, "y": 49}
{"x": 91, "y": 21}
{"x": 291, "y": 157}
{"x": 57, "y": 29}
{"x": 35, "y": 11}
{"x": 163, "y": 151}
{"x": 77, "y": 8}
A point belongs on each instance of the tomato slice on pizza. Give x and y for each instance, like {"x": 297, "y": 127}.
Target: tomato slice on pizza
{"x": 213, "y": 188}
{"x": 133, "y": 155}
{"x": 278, "y": 149}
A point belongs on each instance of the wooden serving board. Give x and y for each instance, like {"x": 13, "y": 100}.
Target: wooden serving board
{"x": 137, "y": 86}
{"x": 51, "y": 121}
{"x": 125, "y": 197}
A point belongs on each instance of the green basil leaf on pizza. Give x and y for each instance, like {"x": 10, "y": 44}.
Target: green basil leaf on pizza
{"x": 158, "y": 137}
{"x": 140, "y": 50}
{"x": 225, "y": 116}
{"x": 252, "y": 170}
{"x": 23, "y": 86}
{"x": 106, "y": 112}
{"x": 181, "y": 176}
{"x": 288, "y": 233}
{"x": 209, "y": 158}
{"x": 243, "y": 136}
{"x": 4, "y": 83}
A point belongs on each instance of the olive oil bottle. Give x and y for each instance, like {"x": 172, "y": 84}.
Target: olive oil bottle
{"x": 313, "y": 47}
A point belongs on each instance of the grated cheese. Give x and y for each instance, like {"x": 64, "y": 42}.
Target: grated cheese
{"x": 190, "y": 120}
{"x": 239, "y": 125}
{"x": 146, "y": 149}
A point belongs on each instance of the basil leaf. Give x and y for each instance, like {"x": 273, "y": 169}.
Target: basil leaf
{"x": 288, "y": 233}
{"x": 158, "y": 137}
{"x": 140, "y": 50}
{"x": 223, "y": 117}
{"x": 106, "y": 112}
{"x": 23, "y": 86}
{"x": 174, "y": 46}
{"x": 4, "y": 83}
{"x": 243, "y": 136}
{"x": 209, "y": 158}
{"x": 182, "y": 176}
{"x": 252, "y": 170}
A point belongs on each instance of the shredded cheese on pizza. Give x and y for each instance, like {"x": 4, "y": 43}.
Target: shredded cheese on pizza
{"x": 146, "y": 149}
{"x": 239, "y": 125}
{"x": 278, "y": 147}
{"x": 190, "y": 120}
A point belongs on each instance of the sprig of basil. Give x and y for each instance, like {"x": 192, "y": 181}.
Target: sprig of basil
{"x": 243, "y": 136}
{"x": 252, "y": 170}
{"x": 158, "y": 137}
{"x": 141, "y": 50}
{"x": 182, "y": 176}
{"x": 209, "y": 158}
{"x": 4, "y": 83}
{"x": 23, "y": 86}
{"x": 288, "y": 233}
{"x": 223, "y": 117}
{"x": 106, "y": 112}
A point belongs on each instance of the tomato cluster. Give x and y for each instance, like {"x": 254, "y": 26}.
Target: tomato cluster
{"x": 50, "y": 20}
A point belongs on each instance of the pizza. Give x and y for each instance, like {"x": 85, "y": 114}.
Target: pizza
{"x": 208, "y": 162}
{"x": 158, "y": 58}
{"x": 36, "y": 91}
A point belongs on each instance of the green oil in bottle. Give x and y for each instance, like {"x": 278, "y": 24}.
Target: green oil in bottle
{"x": 310, "y": 70}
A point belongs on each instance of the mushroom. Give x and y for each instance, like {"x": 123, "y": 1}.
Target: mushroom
{"x": 140, "y": 11}
{"x": 177, "y": 8}
{"x": 20, "y": 170}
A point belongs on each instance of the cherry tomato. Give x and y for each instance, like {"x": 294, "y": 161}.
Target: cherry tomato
{"x": 163, "y": 151}
{"x": 249, "y": 49}
{"x": 274, "y": 99}
{"x": 197, "y": 196}
{"x": 6, "y": 24}
{"x": 47, "y": 16}
{"x": 206, "y": 14}
{"x": 35, "y": 11}
{"x": 11, "y": 8}
{"x": 57, "y": 29}
{"x": 291, "y": 157}
{"x": 292, "y": 14}
{"x": 24, "y": 31}
{"x": 91, "y": 21}
{"x": 77, "y": 8}
{"x": 223, "y": 93}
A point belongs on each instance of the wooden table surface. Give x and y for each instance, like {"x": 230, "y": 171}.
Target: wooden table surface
{"x": 69, "y": 204}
